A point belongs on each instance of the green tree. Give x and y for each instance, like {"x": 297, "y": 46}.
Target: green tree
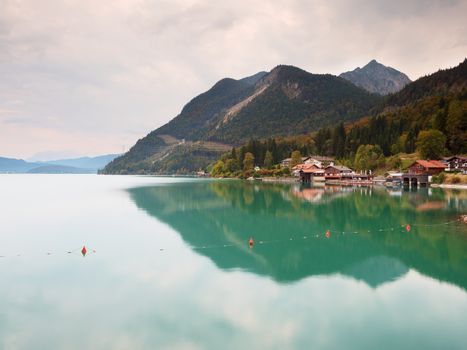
{"x": 368, "y": 157}
{"x": 218, "y": 168}
{"x": 248, "y": 161}
{"x": 296, "y": 158}
{"x": 233, "y": 153}
{"x": 430, "y": 144}
{"x": 338, "y": 140}
{"x": 231, "y": 165}
{"x": 456, "y": 124}
{"x": 268, "y": 160}
{"x": 399, "y": 146}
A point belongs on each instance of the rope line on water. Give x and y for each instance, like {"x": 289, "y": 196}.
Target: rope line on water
{"x": 327, "y": 235}
{"x": 81, "y": 251}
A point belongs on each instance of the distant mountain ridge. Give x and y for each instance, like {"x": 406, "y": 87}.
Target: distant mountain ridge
{"x": 83, "y": 165}
{"x": 16, "y": 165}
{"x": 377, "y": 78}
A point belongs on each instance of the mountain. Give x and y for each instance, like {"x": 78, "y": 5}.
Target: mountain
{"x": 377, "y": 78}
{"x": 91, "y": 163}
{"x": 83, "y": 165}
{"x": 437, "y": 101}
{"x": 60, "y": 169}
{"x": 441, "y": 83}
{"x": 12, "y": 165}
{"x": 285, "y": 101}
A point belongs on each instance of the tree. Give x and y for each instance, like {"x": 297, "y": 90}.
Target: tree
{"x": 231, "y": 165}
{"x": 430, "y": 144}
{"x": 399, "y": 146}
{"x": 320, "y": 140}
{"x": 368, "y": 157}
{"x": 338, "y": 140}
{"x": 456, "y": 125}
{"x": 248, "y": 161}
{"x": 296, "y": 158}
{"x": 268, "y": 160}
{"x": 218, "y": 168}
{"x": 233, "y": 154}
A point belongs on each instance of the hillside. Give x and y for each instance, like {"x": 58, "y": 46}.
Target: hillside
{"x": 291, "y": 101}
{"x": 377, "y": 78}
{"x": 441, "y": 83}
{"x": 285, "y": 101}
{"x": 197, "y": 115}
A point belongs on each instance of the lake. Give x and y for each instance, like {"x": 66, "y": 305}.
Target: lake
{"x": 169, "y": 266}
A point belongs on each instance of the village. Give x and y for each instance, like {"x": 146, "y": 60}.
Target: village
{"x": 320, "y": 169}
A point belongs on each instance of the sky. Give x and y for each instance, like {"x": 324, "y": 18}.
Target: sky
{"x": 91, "y": 77}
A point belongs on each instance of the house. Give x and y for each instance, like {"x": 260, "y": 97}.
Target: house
{"x": 320, "y": 161}
{"x": 456, "y": 163}
{"x": 337, "y": 171}
{"x": 419, "y": 173}
{"x": 426, "y": 167}
{"x": 310, "y": 172}
{"x": 285, "y": 163}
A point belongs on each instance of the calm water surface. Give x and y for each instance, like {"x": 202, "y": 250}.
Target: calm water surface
{"x": 169, "y": 266}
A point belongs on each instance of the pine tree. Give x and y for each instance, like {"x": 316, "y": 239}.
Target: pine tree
{"x": 248, "y": 161}
{"x": 268, "y": 160}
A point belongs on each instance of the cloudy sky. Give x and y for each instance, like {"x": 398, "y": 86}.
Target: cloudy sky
{"x": 90, "y": 77}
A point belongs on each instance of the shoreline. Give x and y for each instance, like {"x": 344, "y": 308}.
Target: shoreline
{"x": 279, "y": 179}
{"x": 450, "y": 186}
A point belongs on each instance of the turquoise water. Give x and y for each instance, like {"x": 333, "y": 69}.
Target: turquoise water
{"x": 169, "y": 265}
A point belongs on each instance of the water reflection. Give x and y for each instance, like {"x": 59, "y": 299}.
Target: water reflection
{"x": 368, "y": 241}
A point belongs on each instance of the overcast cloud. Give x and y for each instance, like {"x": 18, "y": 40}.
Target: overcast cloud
{"x": 91, "y": 77}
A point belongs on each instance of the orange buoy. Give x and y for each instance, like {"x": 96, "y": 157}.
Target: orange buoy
{"x": 251, "y": 242}
{"x": 407, "y": 228}
{"x": 328, "y": 234}
{"x": 84, "y": 250}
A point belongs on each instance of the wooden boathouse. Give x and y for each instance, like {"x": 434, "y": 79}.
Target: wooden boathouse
{"x": 419, "y": 173}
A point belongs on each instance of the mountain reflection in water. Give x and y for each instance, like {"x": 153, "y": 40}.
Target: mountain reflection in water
{"x": 362, "y": 244}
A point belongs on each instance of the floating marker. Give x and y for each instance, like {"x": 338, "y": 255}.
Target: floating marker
{"x": 84, "y": 251}
{"x": 328, "y": 234}
{"x": 251, "y": 242}
{"x": 407, "y": 228}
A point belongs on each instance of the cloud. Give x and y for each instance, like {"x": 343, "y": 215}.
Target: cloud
{"x": 112, "y": 68}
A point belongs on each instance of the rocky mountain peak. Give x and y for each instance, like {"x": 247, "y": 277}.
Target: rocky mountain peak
{"x": 377, "y": 78}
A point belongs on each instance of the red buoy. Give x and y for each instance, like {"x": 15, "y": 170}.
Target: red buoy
{"x": 251, "y": 242}
{"x": 328, "y": 234}
{"x": 407, "y": 228}
{"x": 84, "y": 251}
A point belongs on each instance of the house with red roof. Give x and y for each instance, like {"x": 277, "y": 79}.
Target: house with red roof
{"x": 426, "y": 167}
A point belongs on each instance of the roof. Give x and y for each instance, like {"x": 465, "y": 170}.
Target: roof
{"x": 322, "y": 158}
{"x": 306, "y": 168}
{"x": 339, "y": 167}
{"x": 430, "y": 164}
{"x": 312, "y": 171}
{"x": 447, "y": 159}
{"x": 290, "y": 159}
